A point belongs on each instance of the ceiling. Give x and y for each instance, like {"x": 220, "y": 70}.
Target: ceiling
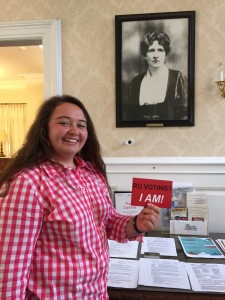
{"x": 20, "y": 63}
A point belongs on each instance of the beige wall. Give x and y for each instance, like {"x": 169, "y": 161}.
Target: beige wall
{"x": 88, "y": 62}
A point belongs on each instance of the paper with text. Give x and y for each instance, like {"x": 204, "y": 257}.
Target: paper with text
{"x": 206, "y": 277}
{"x": 167, "y": 273}
{"x": 163, "y": 246}
{"x": 123, "y": 273}
{"x": 123, "y": 250}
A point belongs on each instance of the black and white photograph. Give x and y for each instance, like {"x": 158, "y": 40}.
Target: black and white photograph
{"x": 155, "y": 69}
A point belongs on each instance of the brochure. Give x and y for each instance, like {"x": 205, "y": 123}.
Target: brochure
{"x": 200, "y": 247}
{"x": 197, "y": 207}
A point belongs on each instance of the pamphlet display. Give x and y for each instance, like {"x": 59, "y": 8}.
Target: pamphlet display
{"x": 148, "y": 263}
{"x": 192, "y": 219}
{"x": 165, "y": 272}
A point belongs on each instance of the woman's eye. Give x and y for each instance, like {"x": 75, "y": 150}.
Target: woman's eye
{"x": 82, "y": 125}
{"x": 64, "y": 123}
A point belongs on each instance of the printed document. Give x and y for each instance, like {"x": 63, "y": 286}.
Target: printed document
{"x": 123, "y": 273}
{"x": 167, "y": 273}
{"x": 162, "y": 246}
{"x": 197, "y": 207}
{"x": 123, "y": 250}
{"x": 206, "y": 277}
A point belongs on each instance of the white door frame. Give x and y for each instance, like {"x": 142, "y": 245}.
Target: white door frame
{"x": 49, "y": 31}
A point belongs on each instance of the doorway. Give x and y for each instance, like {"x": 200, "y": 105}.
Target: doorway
{"x": 24, "y": 37}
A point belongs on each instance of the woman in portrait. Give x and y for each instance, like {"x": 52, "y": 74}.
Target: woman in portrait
{"x": 160, "y": 93}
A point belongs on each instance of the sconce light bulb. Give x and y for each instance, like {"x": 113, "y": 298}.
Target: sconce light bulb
{"x": 220, "y": 72}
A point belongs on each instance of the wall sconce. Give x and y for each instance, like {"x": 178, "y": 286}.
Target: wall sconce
{"x": 221, "y": 81}
{"x": 3, "y": 138}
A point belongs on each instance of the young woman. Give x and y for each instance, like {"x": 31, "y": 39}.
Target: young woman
{"x": 56, "y": 212}
{"x": 158, "y": 93}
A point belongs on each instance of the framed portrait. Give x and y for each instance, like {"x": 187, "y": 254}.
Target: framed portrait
{"x": 155, "y": 69}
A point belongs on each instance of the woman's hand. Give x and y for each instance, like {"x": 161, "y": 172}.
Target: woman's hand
{"x": 148, "y": 218}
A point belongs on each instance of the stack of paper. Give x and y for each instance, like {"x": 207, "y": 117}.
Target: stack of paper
{"x": 192, "y": 218}
{"x": 180, "y": 191}
{"x": 197, "y": 207}
{"x": 160, "y": 246}
{"x": 167, "y": 273}
{"x": 206, "y": 277}
{"x": 123, "y": 250}
{"x": 123, "y": 273}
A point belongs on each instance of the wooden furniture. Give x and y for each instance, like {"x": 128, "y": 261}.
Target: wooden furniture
{"x": 3, "y": 162}
{"x": 153, "y": 293}
{"x": 161, "y": 294}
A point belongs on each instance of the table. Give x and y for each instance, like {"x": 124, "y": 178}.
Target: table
{"x": 153, "y": 293}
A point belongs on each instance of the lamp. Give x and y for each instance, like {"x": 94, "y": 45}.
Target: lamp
{"x": 221, "y": 81}
{"x": 3, "y": 138}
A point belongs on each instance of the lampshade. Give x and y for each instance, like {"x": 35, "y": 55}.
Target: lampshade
{"x": 3, "y": 135}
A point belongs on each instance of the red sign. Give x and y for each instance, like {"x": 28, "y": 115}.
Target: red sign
{"x": 157, "y": 192}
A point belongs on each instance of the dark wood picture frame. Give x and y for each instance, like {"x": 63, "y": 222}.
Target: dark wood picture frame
{"x": 130, "y": 63}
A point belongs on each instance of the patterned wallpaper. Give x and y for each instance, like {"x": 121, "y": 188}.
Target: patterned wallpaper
{"x": 88, "y": 62}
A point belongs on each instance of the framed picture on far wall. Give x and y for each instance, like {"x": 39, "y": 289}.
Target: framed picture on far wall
{"x": 155, "y": 69}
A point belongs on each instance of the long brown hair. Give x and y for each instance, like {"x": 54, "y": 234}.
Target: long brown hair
{"x": 37, "y": 148}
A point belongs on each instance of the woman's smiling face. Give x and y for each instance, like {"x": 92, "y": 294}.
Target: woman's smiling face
{"x": 67, "y": 131}
{"x": 156, "y": 55}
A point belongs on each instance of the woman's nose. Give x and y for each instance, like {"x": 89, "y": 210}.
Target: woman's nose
{"x": 73, "y": 130}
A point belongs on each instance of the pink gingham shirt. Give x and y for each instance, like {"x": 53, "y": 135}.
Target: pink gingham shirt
{"x": 54, "y": 226}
